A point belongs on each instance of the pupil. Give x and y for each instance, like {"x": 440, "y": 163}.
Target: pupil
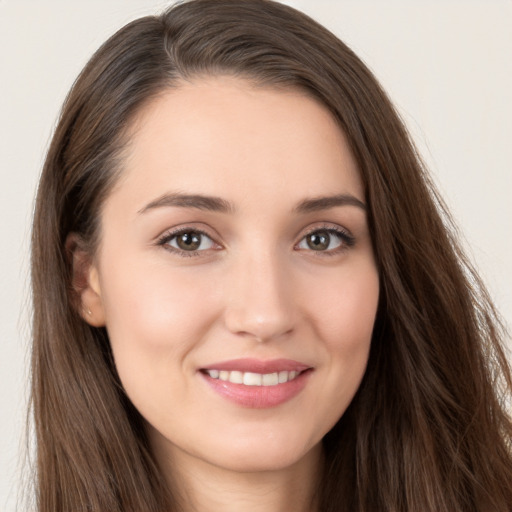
{"x": 319, "y": 241}
{"x": 189, "y": 241}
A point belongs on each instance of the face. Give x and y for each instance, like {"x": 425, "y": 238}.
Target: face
{"x": 235, "y": 274}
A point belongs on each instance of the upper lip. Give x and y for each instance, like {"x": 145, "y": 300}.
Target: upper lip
{"x": 258, "y": 365}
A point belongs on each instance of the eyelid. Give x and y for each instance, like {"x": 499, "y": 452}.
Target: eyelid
{"x": 346, "y": 237}
{"x": 163, "y": 239}
{"x": 348, "y": 240}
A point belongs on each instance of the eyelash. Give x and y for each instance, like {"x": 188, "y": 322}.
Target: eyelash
{"x": 170, "y": 235}
{"x": 346, "y": 239}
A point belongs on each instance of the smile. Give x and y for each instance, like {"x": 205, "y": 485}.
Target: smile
{"x": 253, "y": 379}
{"x": 257, "y": 384}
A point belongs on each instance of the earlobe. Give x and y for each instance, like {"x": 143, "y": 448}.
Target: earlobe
{"x": 85, "y": 282}
{"x": 92, "y": 299}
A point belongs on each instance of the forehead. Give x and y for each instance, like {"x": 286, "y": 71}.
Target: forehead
{"x": 226, "y": 137}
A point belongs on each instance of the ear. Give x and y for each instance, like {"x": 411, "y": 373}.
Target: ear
{"x": 85, "y": 282}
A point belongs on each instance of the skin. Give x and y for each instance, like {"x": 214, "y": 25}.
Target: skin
{"x": 254, "y": 289}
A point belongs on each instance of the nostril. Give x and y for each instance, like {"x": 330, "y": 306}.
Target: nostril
{"x": 260, "y": 327}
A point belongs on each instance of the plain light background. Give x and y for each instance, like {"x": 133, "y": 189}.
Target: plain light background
{"x": 446, "y": 65}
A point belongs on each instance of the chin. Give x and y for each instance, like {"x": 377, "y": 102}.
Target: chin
{"x": 266, "y": 453}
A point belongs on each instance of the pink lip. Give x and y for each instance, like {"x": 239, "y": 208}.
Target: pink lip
{"x": 258, "y": 397}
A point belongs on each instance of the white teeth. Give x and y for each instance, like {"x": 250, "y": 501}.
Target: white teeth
{"x": 253, "y": 379}
{"x": 270, "y": 379}
{"x": 236, "y": 377}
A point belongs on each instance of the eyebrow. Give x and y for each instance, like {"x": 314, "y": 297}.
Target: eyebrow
{"x": 217, "y": 204}
{"x": 198, "y": 201}
{"x": 325, "y": 202}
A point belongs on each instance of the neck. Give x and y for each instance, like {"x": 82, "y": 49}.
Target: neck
{"x": 203, "y": 487}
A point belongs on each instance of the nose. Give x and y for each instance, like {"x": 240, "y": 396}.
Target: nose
{"x": 260, "y": 301}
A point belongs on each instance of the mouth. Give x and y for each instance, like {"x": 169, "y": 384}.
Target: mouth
{"x": 253, "y": 379}
{"x": 257, "y": 384}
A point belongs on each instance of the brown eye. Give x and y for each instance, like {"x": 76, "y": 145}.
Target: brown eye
{"x": 319, "y": 240}
{"x": 326, "y": 240}
{"x": 190, "y": 241}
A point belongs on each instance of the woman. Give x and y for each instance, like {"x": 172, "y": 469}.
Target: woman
{"x": 246, "y": 291}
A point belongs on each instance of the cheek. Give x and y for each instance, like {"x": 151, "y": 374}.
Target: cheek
{"x": 346, "y": 307}
{"x": 154, "y": 319}
{"x": 345, "y": 318}
{"x": 152, "y": 305}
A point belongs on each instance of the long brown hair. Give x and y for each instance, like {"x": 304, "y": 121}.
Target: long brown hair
{"x": 428, "y": 429}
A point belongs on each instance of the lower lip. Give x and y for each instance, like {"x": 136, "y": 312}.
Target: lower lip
{"x": 259, "y": 397}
